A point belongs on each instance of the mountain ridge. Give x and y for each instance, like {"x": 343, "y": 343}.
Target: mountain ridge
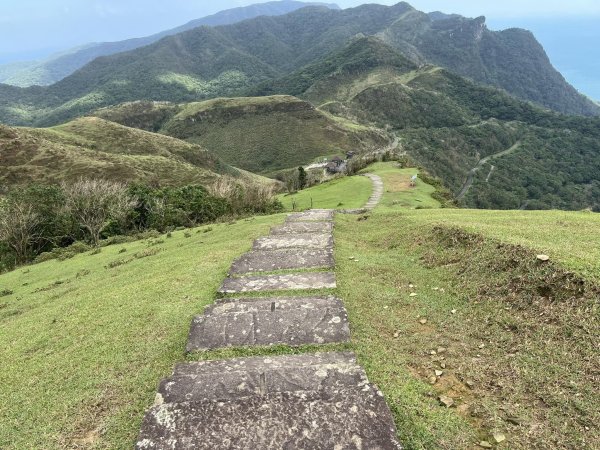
{"x": 230, "y": 60}
{"x": 56, "y": 67}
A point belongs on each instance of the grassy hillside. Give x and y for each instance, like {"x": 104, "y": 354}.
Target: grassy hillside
{"x": 460, "y": 292}
{"x": 232, "y": 60}
{"x": 258, "y": 134}
{"x": 341, "y": 193}
{"x": 509, "y": 337}
{"x": 458, "y": 130}
{"x": 98, "y": 148}
{"x": 82, "y": 357}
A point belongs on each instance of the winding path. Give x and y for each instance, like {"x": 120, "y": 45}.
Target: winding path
{"x": 375, "y": 198}
{"x": 480, "y": 164}
{"x": 320, "y": 400}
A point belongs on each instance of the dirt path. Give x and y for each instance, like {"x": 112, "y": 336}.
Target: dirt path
{"x": 480, "y": 164}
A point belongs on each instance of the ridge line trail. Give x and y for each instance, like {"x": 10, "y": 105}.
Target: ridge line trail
{"x": 480, "y": 164}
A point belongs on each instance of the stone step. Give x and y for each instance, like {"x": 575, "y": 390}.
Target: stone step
{"x": 333, "y": 359}
{"x": 303, "y": 227}
{"x": 349, "y": 418}
{"x": 255, "y": 304}
{"x": 260, "y": 322}
{"x": 313, "y": 215}
{"x": 304, "y": 241}
{"x": 296, "y": 281}
{"x": 286, "y": 259}
{"x": 244, "y": 377}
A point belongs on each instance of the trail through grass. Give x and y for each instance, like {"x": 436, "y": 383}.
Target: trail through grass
{"x": 341, "y": 193}
{"x": 83, "y": 346}
{"x": 398, "y": 192}
{"x": 434, "y": 312}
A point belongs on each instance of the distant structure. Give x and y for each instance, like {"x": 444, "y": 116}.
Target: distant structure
{"x": 337, "y": 165}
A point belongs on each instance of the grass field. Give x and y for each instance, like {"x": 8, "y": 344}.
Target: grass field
{"x": 398, "y": 192}
{"x": 86, "y": 341}
{"x": 83, "y": 344}
{"x": 341, "y": 193}
{"x": 446, "y": 290}
{"x": 571, "y": 238}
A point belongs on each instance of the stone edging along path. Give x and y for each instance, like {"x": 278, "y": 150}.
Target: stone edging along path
{"x": 306, "y": 401}
{"x": 373, "y": 200}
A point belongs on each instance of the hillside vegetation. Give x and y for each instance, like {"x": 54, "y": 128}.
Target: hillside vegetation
{"x": 57, "y": 67}
{"x": 92, "y": 147}
{"x": 458, "y": 130}
{"x": 230, "y": 60}
{"x": 459, "y": 292}
{"x": 85, "y": 341}
{"x": 258, "y": 134}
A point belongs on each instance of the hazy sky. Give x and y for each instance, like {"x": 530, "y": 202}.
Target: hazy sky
{"x": 33, "y": 28}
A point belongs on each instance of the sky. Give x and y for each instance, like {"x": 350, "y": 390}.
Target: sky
{"x": 32, "y": 29}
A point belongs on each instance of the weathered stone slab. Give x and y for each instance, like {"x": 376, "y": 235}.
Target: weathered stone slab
{"x": 318, "y": 215}
{"x": 272, "y": 260}
{"x": 307, "y": 240}
{"x": 377, "y": 191}
{"x": 303, "y": 227}
{"x": 329, "y": 359}
{"x": 347, "y": 419}
{"x": 254, "y": 304}
{"x": 243, "y": 377}
{"x": 256, "y": 322}
{"x": 299, "y": 281}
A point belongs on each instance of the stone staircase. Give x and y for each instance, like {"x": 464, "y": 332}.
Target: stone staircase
{"x": 306, "y": 401}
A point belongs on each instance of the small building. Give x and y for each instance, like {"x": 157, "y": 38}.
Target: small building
{"x": 337, "y": 160}
{"x": 350, "y": 155}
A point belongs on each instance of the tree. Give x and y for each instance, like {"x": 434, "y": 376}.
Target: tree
{"x": 94, "y": 204}
{"x": 19, "y": 227}
{"x": 301, "y": 177}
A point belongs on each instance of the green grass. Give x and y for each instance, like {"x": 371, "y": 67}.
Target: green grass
{"x": 529, "y": 359}
{"x": 84, "y": 346}
{"x": 570, "y": 238}
{"x": 341, "y": 193}
{"x": 398, "y": 193}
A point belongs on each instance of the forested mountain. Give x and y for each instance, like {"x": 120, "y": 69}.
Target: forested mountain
{"x": 59, "y": 66}
{"x": 490, "y": 149}
{"x": 231, "y": 60}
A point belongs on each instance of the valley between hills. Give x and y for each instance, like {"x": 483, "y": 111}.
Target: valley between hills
{"x": 446, "y": 174}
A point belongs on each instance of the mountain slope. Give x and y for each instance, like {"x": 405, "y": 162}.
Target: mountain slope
{"x": 55, "y": 68}
{"x": 258, "y": 134}
{"x": 230, "y": 60}
{"x": 93, "y": 147}
{"x": 497, "y": 151}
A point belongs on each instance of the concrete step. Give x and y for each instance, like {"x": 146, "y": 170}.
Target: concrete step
{"x": 297, "y": 281}
{"x": 257, "y": 376}
{"x": 286, "y": 259}
{"x": 303, "y": 227}
{"x": 348, "y": 418}
{"x": 304, "y": 241}
{"x": 313, "y": 215}
{"x": 261, "y": 322}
